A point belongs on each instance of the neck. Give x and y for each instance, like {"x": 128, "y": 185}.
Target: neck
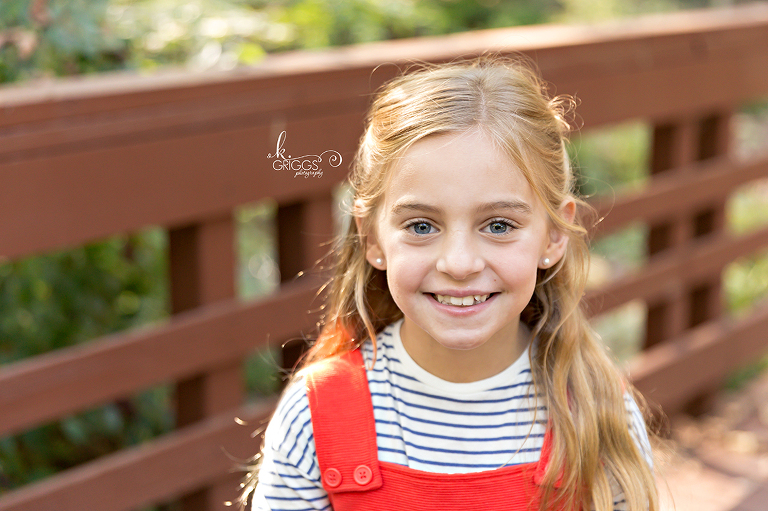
{"x": 464, "y": 366}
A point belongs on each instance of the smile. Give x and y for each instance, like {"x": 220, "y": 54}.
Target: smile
{"x": 461, "y": 301}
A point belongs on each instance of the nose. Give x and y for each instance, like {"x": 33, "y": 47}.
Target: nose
{"x": 459, "y": 255}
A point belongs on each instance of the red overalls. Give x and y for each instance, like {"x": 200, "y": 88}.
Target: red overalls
{"x": 345, "y": 439}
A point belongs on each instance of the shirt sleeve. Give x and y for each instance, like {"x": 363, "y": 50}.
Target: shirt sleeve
{"x": 640, "y": 436}
{"x": 289, "y": 478}
{"x": 638, "y": 430}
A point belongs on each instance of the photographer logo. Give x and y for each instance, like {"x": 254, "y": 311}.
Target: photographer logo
{"x": 302, "y": 166}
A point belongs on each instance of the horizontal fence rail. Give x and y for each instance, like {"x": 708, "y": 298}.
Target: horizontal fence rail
{"x": 53, "y": 385}
{"x": 84, "y": 159}
{"x": 177, "y": 463}
{"x": 192, "y": 128}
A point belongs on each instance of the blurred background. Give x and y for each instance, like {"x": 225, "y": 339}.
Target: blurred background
{"x": 61, "y": 298}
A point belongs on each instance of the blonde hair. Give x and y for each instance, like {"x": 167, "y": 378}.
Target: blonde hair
{"x": 582, "y": 389}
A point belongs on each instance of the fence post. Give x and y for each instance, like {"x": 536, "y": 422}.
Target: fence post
{"x": 705, "y": 297}
{"x": 303, "y": 232}
{"x": 714, "y": 142}
{"x": 675, "y": 147}
{"x": 202, "y": 271}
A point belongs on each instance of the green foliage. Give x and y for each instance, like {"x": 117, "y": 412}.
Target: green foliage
{"x": 201, "y": 34}
{"x": 743, "y": 376}
{"x": 611, "y": 160}
{"x": 746, "y": 283}
{"x": 57, "y": 300}
{"x": 65, "y": 37}
{"x": 624, "y": 250}
{"x": 748, "y": 208}
{"x": 58, "y": 37}
{"x": 45, "y": 450}
{"x": 319, "y": 23}
{"x": 221, "y": 34}
{"x": 751, "y": 129}
{"x": 259, "y": 275}
{"x": 257, "y": 253}
{"x": 263, "y": 376}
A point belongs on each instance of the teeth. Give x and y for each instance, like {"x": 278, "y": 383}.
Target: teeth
{"x": 461, "y": 302}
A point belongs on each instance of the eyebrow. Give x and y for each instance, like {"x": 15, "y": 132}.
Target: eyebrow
{"x": 515, "y": 205}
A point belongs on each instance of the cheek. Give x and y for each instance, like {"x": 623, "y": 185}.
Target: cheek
{"x": 406, "y": 270}
{"x": 520, "y": 276}
{"x": 518, "y": 266}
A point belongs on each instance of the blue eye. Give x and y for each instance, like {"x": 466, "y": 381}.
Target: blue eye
{"x": 420, "y": 228}
{"x": 500, "y": 227}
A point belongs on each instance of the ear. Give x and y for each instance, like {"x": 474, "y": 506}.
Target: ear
{"x": 373, "y": 252}
{"x": 558, "y": 240}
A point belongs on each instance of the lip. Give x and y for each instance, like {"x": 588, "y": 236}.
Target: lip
{"x": 462, "y": 311}
{"x": 461, "y": 293}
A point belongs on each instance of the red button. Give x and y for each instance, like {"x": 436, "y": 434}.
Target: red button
{"x": 332, "y": 477}
{"x": 363, "y": 475}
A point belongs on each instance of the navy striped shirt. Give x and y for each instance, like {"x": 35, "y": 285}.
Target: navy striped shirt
{"x": 422, "y": 422}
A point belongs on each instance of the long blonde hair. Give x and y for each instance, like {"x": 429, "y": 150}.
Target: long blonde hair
{"x": 582, "y": 389}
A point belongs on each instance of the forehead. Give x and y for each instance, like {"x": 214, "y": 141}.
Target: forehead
{"x": 457, "y": 169}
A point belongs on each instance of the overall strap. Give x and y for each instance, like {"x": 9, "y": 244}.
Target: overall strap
{"x": 343, "y": 425}
{"x": 541, "y": 466}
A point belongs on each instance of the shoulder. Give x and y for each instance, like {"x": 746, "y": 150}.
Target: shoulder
{"x": 293, "y": 403}
{"x": 288, "y": 475}
{"x": 290, "y": 430}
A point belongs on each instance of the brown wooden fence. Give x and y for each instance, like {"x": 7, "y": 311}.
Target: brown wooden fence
{"x": 84, "y": 159}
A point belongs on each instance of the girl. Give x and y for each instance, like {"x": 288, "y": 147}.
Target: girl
{"x": 455, "y": 368}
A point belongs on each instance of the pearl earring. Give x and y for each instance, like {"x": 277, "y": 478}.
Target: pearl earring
{"x": 378, "y": 260}
{"x": 545, "y": 262}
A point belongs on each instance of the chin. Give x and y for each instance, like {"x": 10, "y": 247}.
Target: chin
{"x": 460, "y": 345}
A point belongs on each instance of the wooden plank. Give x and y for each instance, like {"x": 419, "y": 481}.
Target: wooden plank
{"x": 673, "y": 150}
{"x": 669, "y": 271}
{"x": 294, "y": 97}
{"x": 50, "y": 386}
{"x": 85, "y": 95}
{"x": 612, "y": 69}
{"x": 577, "y": 59}
{"x": 202, "y": 263}
{"x": 152, "y": 472}
{"x": 714, "y": 141}
{"x": 50, "y": 203}
{"x": 304, "y": 233}
{"x": 151, "y": 153}
{"x": 694, "y": 187}
{"x": 671, "y": 373}
{"x": 606, "y": 99}
{"x": 202, "y": 271}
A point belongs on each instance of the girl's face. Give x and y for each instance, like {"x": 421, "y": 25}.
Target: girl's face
{"x": 461, "y": 235}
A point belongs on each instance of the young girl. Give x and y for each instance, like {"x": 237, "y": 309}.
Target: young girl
{"x": 455, "y": 368}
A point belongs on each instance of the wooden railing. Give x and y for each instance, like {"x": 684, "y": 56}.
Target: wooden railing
{"x": 84, "y": 159}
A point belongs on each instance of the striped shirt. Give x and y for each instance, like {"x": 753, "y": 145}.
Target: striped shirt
{"x": 422, "y": 422}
